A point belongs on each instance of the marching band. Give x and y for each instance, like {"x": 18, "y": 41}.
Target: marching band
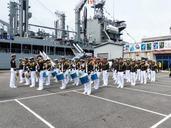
{"x": 43, "y": 70}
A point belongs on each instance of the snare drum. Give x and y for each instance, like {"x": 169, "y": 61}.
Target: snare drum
{"x": 84, "y": 79}
{"x": 45, "y": 74}
{"x": 54, "y": 73}
{"x": 74, "y": 75}
{"x": 94, "y": 77}
{"x": 60, "y": 76}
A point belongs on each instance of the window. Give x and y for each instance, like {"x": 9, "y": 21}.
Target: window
{"x": 59, "y": 51}
{"x": 69, "y": 52}
{"x": 26, "y": 48}
{"x": 102, "y": 55}
{"x": 165, "y": 57}
{"x": 159, "y": 57}
{"x": 4, "y": 47}
{"x": 15, "y": 48}
{"x": 51, "y": 50}
{"x": 37, "y": 49}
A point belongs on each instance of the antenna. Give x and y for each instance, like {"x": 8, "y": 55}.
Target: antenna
{"x": 113, "y": 10}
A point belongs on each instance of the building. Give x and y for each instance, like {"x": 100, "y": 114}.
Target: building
{"x": 109, "y": 50}
{"x": 154, "y": 48}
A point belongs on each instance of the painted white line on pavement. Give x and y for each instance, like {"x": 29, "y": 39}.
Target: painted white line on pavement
{"x": 4, "y": 101}
{"x": 140, "y": 90}
{"x": 123, "y": 104}
{"x": 161, "y": 121}
{"x": 35, "y": 114}
{"x": 150, "y": 92}
{"x": 37, "y": 96}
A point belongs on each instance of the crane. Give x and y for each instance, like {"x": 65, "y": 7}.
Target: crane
{"x": 78, "y": 9}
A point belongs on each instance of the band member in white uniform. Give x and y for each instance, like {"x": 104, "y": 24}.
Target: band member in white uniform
{"x": 133, "y": 73}
{"x": 114, "y": 68}
{"x": 105, "y": 68}
{"x": 97, "y": 71}
{"x": 153, "y": 68}
{"x": 75, "y": 69}
{"x": 32, "y": 72}
{"x": 143, "y": 72}
{"x": 26, "y": 72}
{"x": 121, "y": 69}
{"x": 41, "y": 71}
{"x": 87, "y": 85}
{"x": 13, "y": 72}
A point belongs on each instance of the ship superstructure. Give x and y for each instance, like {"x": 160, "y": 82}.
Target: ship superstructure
{"x": 16, "y": 37}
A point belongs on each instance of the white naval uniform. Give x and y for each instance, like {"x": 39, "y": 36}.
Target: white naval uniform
{"x": 47, "y": 80}
{"x": 153, "y": 75}
{"x": 13, "y": 74}
{"x": 63, "y": 85}
{"x": 143, "y": 77}
{"x": 33, "y": 79}
{"x": 120, "y": 69}
{"x": 76, "y": 80}
{"x": 120, "y": 79}
{"x": 63, "y": 82}
{"x": 87, "y": 86}
{"x": 114, "y": 74}
{"x": 21, "y": 76}
{"x": 97, "y": 82}
{"x": 138, "y": 76}
{"x": 12, "y": 78}
{"x": 105, "y": 77}
{"x": 66, "y": 76}
{"x": 149, "y": 73}
{"x": 27, "y": 79}
{"x": 127, "y": 76}
{"x": 153, "y": 72}
{"x": 133, "y": 78}
{"x": 41, "y": 80}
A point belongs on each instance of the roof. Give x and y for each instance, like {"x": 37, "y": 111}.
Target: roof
{"x": 159, "y": 38}
{"x": 112, "y": 43}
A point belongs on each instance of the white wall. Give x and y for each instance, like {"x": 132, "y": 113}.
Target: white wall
{"x": 133, "y": 55}
{"x": 114, "y": 51}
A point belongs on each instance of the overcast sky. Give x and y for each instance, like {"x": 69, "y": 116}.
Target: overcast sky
{"x": 145, "y": 18}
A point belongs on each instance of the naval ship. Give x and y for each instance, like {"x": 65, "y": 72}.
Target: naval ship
{"x": 17, "y": 38}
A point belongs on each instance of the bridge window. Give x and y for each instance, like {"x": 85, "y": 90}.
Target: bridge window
{"x": 37, "y": 49}
{"x": 26, "y": 48}
{"x": 59, "y": 51}
{"x": 4, "y": 47}
{"x": 50, "y": 50}
{"x": 69, "y": 52}
{"x": 15, "y": 48}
